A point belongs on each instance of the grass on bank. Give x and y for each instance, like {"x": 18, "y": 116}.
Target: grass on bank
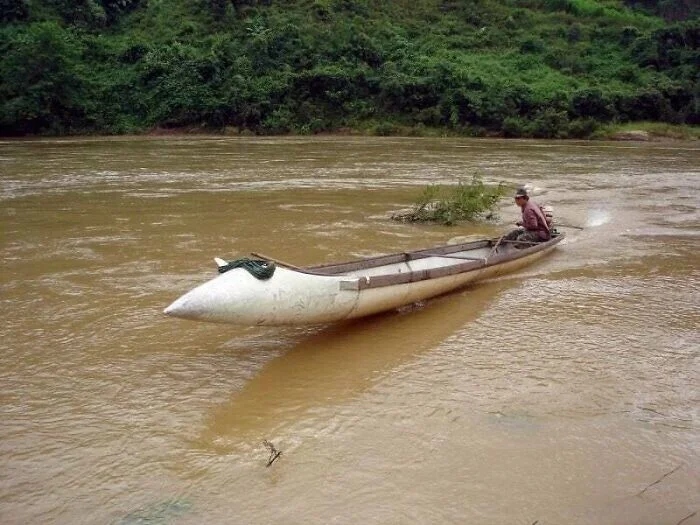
{"x": 652, "y": 129}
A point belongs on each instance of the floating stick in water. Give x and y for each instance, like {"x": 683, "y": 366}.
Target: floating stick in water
{"x": 274, "y": 453}
{"x": 687, "y": 517}
{"x": 659, "y": 480}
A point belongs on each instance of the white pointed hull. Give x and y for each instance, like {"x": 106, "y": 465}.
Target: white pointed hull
{"x": 288, "y": 297}
{"x": 329, "y": 293}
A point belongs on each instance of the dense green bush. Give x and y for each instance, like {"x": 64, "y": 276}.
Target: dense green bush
{"x": 520, "y": 68}
{"x": 592, "y": 103}
{"x": 43, "y": 80}
{"x": 13, "y": 10}
{"x": 669, "y": 9}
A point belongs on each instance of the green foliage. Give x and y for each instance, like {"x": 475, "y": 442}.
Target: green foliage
{"x": 592, "y": 103}
{"x": 42, "y": 83}
{"x": 13, "y": 10}
{"x": 466, "y": 201}
{"x": 115, "y": 9}
{"x": 669, "y": 9}
{"x": 521, "y": 68}
{"x": 177, "y": 79}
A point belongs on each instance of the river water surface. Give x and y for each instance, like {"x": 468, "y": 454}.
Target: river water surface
{"x": 566, "y": 393}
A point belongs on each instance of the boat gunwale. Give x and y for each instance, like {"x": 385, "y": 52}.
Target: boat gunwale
{"x": 339, "y": 269}
{"x": 454, "y": 269}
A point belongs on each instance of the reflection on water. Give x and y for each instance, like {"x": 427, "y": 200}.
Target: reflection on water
{"x": 556, "y": 395}
{"x": 282, "y": 391}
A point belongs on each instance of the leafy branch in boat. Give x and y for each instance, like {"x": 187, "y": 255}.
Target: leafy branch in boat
{"x": 465, "y": 201}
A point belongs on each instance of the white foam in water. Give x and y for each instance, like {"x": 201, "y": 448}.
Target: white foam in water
{"x": 533, "y": 190}
{"x": 597, "y": 218}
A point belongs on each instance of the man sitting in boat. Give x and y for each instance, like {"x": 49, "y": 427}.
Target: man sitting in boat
{"x": 533, "y": 226}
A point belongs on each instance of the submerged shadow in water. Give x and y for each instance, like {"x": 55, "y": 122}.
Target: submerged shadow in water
{"x": 336, "y": 364}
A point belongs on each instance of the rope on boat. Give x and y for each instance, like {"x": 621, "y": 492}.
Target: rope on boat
{"x": 258, "y": 268}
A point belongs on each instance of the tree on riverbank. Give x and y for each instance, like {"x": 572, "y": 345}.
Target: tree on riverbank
{"x": 519, "y": 68}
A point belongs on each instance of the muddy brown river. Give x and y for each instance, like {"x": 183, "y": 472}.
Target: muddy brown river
{"x": 566, "y": 393}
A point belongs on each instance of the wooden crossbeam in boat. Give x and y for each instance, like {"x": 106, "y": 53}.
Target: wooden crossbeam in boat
{"x": 523, "y": 242}
{"x": 450, "y": 256}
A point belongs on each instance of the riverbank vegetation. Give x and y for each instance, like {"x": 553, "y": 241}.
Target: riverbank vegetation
{"x": 512, "y": 68}
{"x": 647, "y": 131}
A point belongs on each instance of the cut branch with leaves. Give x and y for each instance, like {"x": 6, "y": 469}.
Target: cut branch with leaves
{"x": 466, "y": 201}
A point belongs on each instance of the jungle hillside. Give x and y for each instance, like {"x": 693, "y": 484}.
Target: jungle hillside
{"x": 510, "y": 68}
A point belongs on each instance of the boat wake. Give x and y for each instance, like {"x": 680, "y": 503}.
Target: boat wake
{"x": 597, "y": 217}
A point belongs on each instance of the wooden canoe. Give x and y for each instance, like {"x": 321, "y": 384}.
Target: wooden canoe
{"x": 338, "y": 291}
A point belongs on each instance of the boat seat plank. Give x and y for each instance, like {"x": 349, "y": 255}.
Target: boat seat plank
{"x": 452, "y": 256}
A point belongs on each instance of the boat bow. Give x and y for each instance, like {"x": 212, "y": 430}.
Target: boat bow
{"x": 288, "y": 297}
